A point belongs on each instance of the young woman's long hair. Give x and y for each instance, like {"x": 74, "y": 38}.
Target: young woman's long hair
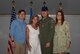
{"x": 62, "y": 17}
{"x": 37, "y": 24}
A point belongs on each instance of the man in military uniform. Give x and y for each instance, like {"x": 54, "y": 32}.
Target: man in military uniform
{"x": 47, "y": 29}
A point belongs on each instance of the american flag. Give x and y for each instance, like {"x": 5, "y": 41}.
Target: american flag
{"x": 13, "y": 17}
{"x": 13, "y": 12}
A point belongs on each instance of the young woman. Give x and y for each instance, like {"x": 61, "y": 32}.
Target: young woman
{"x": 62, "y": 35}
{"x": 32, "y": 33}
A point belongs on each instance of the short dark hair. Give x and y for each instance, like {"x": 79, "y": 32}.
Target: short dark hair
{"x": 21, "y": 11}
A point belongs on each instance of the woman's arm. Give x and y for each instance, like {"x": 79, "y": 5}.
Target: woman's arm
{"x": 68, "y": 34}
{"x": 27, "y": 38}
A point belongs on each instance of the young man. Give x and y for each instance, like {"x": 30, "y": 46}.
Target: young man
{"x": 47, "y": 29}
{"x": 17, "y": 33}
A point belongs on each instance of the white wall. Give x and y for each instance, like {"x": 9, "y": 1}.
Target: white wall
{"x": 74, "y": 21}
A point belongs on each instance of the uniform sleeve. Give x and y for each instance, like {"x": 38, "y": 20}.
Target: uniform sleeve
{"x": 52, "y": 30}
{"x": 67, "y": 31}
{"x": 12, "y": 29}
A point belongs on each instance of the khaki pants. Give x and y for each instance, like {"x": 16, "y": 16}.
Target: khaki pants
{"x": 19, "y": 49}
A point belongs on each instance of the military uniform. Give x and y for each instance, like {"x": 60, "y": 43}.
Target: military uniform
{"x": 47, "y": 29}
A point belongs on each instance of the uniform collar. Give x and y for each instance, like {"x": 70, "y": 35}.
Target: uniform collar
{"x": 44, "y": 18}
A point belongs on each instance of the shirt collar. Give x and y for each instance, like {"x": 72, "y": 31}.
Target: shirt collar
{"x": 20, "y": 20}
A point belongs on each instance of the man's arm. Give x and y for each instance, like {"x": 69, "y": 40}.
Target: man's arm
{"x": 51, "y": 32}
{"x": 51, "y": 29}
{"x": 12, "y": 31}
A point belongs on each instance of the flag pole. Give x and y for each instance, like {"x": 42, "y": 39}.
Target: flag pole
{"x": 60, "y": 5}
{"x": 44, "y": 3}
{"x": 31, "y": 3}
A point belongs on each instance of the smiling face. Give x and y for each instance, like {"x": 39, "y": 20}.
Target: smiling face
{"x": 22, "y": 15}
{"x": 35, "y": 20}
{"x": 59, "y": 16}
{"x": 44, "y": 14}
